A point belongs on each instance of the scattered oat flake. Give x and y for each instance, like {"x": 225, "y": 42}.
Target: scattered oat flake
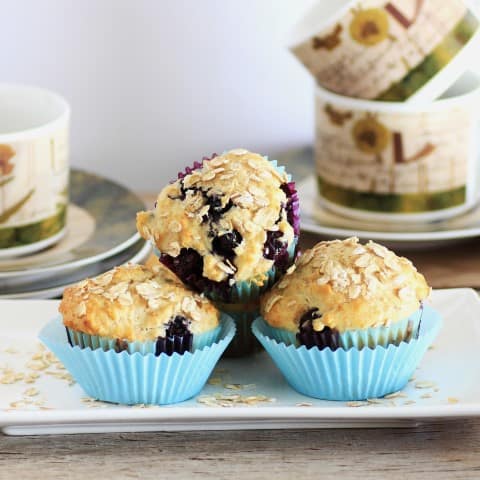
{"x": 452, "y": 400}
{"x": 398, "y": 394}
{"x": 409, "y": 402}
{"x": 37, "y": 366}
{"x": 304, "y": 404}
{"x": 233, "y": 386}
{"x": 11, "y": 350}
{"x": 93, "y": 403}
{"x": 423, "y": 384}
{"x": 9, "y": 377}
{"x": 376, "y": 401}
{"x": 357, "y": 404}
{"x": 238, "y": 386}
{"x": 31, "y": 392}
{"x": 411, "y": 379}
{"x": 214, "y": 381}
{"x": 209, "y": 401}
{"x": 232, "y": 400}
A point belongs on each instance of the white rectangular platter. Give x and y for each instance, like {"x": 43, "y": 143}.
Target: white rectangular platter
{"x": 37, "y": 397}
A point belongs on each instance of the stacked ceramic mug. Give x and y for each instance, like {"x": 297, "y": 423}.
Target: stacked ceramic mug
{"x": 396, "y": 107}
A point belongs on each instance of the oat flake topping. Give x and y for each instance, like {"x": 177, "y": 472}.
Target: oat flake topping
{"x": 352, "y": 286}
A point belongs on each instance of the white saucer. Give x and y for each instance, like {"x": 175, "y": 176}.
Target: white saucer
{"x": 100, "y": 224}
{"x": 54, "y": 287}
{"x": 316, "y": 218}
{"x": 32, "y": 247}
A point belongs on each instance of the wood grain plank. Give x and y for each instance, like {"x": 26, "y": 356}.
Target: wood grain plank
{"x": 441, "y": 450}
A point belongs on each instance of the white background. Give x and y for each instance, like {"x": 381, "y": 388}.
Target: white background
{"x": 155, "y": 85}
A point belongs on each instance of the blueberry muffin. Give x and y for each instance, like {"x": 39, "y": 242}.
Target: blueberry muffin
{"x": 138, "y": 336}
{"x": 228, "y": 227}
{"x": 344, "y": 294}
{"x": 135, "y": 308}
{"x": 348, "y": 323}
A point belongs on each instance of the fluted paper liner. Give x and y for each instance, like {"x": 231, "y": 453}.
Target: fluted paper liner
{"x": 403, "y": 330}
{"x": 132, "y": 378}
{"x": 84, "y": 340}
{"x": 352, "y": 374}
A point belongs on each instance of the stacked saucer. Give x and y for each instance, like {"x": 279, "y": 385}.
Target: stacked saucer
{"x": 320, "y": 220}
{"x": 100, "y": 234}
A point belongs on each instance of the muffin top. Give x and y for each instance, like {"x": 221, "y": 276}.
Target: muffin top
{"x": 347, "y": 286}
{"x": 235, "y": 211}
{"x": 135, "y": 303}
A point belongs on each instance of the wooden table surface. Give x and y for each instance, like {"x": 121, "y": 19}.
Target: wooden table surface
{"x": 441, "y": 450}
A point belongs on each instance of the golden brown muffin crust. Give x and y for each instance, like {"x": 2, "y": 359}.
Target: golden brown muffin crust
{"x": 134, "y": 303}
{"x": 246, "y": 181}
{"x": 353, "y": 286}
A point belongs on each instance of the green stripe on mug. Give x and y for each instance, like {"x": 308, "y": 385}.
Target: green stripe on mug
{"x": 34, "y": 232}
{"x": 442, "y": 55}
{"x": 392, "y": 202}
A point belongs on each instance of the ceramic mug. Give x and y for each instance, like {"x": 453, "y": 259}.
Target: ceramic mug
{"x": 34, "y": 168}
{"x": 396, "y": 50}
{"x": 398, "y": 161}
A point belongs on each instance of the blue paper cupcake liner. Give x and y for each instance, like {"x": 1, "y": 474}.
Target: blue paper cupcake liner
{"x": 132, "y": 378}
{"x": 352, "y": 374}
{"x": 401, "y": 331}
{"x": 84, "y": 340}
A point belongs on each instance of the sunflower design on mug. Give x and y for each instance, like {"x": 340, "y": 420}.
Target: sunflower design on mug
{"x": 369, "y": 26}
{"x": 6, "y": 154}
{"x": 370, "y": 136}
